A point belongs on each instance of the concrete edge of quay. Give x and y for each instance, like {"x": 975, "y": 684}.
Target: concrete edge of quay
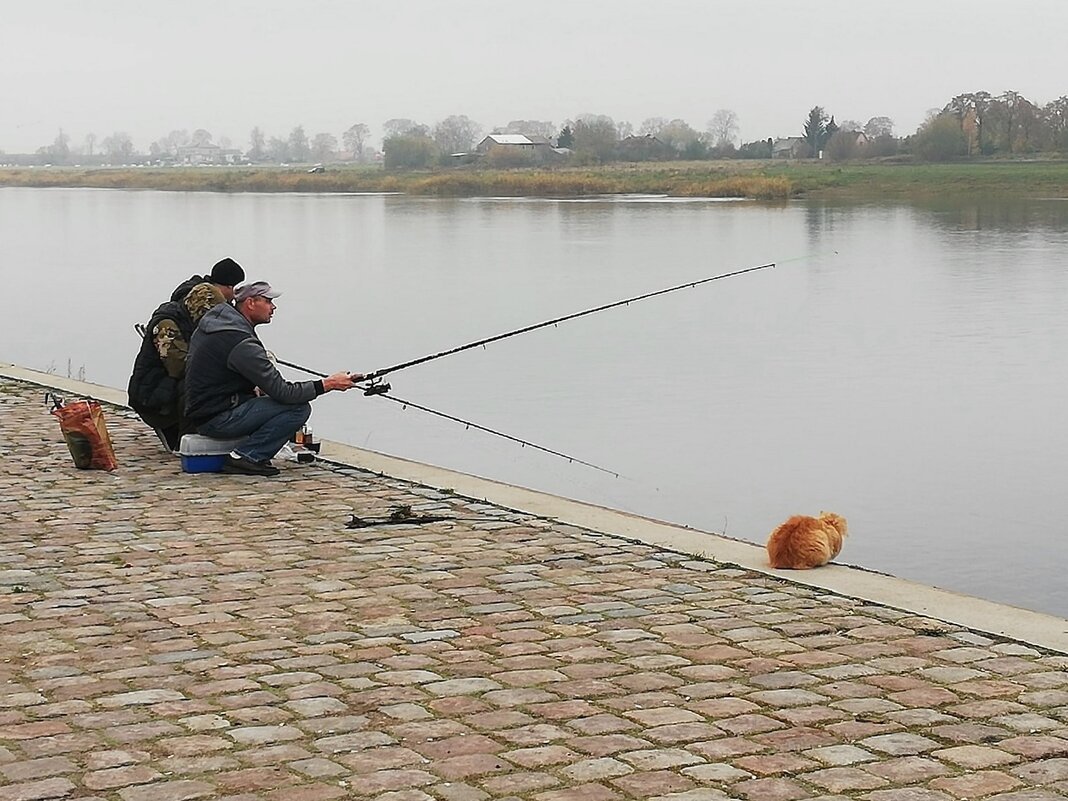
{"x": 1022, "y": 625}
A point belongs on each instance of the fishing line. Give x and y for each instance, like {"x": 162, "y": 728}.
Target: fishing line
{"x": 374, "y": 387}
{"x": 381, "y": 391}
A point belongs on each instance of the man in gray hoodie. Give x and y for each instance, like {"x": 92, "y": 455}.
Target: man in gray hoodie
{"x": 226, "y": 366}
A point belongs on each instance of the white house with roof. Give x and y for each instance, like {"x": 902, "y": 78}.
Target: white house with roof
{"x": 530, "y": 149}
{"x": 517, "y": 141}
{"x": 207, "y": 154}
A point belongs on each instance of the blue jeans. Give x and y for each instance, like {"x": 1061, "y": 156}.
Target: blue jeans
{"x": 267, "y": 423}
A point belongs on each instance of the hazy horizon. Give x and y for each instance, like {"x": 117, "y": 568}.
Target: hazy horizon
{"x": 226, "y": 67}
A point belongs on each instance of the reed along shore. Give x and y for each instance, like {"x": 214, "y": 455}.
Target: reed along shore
{"x": 755, "y": 180}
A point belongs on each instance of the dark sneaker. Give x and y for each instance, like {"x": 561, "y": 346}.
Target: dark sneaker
{"x": 245, "y": 466}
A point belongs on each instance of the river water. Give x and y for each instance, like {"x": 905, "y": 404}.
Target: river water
{"x": 903, "y": 365}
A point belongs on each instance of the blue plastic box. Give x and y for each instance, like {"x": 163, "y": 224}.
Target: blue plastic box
{"x": 200, "y": 454}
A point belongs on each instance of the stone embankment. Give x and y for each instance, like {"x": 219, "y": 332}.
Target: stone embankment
{"x": 166, "y": 637}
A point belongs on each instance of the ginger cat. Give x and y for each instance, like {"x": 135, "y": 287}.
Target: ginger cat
{"x": 803, "y": 542}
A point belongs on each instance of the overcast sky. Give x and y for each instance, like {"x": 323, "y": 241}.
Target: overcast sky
{"x": 147, "y": 68}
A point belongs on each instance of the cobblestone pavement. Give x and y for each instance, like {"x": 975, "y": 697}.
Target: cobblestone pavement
{"x": 166, "y": 636}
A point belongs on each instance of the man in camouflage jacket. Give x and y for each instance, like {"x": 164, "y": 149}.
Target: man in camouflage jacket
{"x": 157, "y": 385}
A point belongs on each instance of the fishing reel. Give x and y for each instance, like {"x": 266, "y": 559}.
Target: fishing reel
{"x": 376, "y": 388}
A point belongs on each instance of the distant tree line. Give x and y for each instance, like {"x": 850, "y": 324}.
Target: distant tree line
{"x": 969, "y": 125}
{"x": 981, "y": 124}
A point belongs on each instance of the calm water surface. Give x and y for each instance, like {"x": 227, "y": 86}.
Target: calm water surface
{"x": 904, "y": 366}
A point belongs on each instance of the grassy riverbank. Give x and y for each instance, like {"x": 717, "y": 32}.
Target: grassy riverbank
{"x": 739, "y": 179}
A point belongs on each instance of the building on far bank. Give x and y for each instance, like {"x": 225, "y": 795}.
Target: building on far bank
{"x": 208, "y": 154}
{"x": 792, "y": 147}
{"x": 515, "y": 150}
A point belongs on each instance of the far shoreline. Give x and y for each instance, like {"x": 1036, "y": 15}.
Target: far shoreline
{"x": 765, "y": 180}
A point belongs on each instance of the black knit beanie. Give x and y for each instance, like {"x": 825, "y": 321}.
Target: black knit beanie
{"x": 227, "y": 273}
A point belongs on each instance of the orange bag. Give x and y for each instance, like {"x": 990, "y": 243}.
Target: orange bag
{"x": 86, "y": 434}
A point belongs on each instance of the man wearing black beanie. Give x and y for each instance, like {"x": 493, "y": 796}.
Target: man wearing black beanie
{"x": 226, "y": 274}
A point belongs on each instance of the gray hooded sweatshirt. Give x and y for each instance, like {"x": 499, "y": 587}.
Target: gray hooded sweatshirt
{"x": 227, "y": 362}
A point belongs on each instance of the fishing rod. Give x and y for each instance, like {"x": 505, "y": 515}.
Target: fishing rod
{"x": 381, "y": 391}
{"x": 372, "y": 377}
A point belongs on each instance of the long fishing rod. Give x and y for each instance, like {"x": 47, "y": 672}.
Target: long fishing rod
{"x": 381, "y": 390}
{"x": 626, "y": 301}
{"x": 374, "y": 387}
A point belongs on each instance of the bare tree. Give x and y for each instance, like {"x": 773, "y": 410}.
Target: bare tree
{"x": 402, "y": 126}
{"x": 118, "y": 146}
{"x": 169, "y": 144}
{"x": 90, "y": 143}
{"x": 257, "y": 144}
{"x": 1014, "y": 118}
{"x": 177, "y": 139}
{"x": 723, "y": 128}
{"x": 354, "y": 139}
{"x": 323, "y": 146}
{"x": 278, "y": 150}
{"x": 651, "y": 126}
{"x": 624, "y": 129}
{"x": 843, "y": 145}
{"x": 61, "y": 146}
{"x": 201, "y": 138}
{"x": 678, "y": 135}
{"x": 299, "y": 150}
{"x": 879, "y": 126}
{"x": 456, "y": 134}
{"x": 546, "y": 130}
{"x": 58, "y": 151}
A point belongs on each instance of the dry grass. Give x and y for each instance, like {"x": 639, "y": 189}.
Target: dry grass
{"x": 758, "y": 180}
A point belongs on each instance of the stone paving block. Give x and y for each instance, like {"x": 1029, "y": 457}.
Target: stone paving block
{"x": 700, "y": 794}
{"x": 180, "y": 790}
{"x": 120, "y": 777}
{"x": 306, "y": 792}
{"x": 469, "y": 765}
{"x": 840, "y": 780}
{"x": 36, "y": 768}
{"x": 261, "y": 735}
{"x": 1044, "y": 771}
{"x": 682, "y": 733}
{"x": 770, "y": 790}
{"x": 977, "y": 784}
{"x": 587, "y": 770}
{"x": 449, "y": 791}
{"x": 516, "y": 782}
{"x": 911, "y": 794}
{"x": 975, "y": 757}
{"x": 899, "y": 744}
{"x": 32, "y": 791}
{"x": 644, "y": 784}
{"x": 1035, "y": 747}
